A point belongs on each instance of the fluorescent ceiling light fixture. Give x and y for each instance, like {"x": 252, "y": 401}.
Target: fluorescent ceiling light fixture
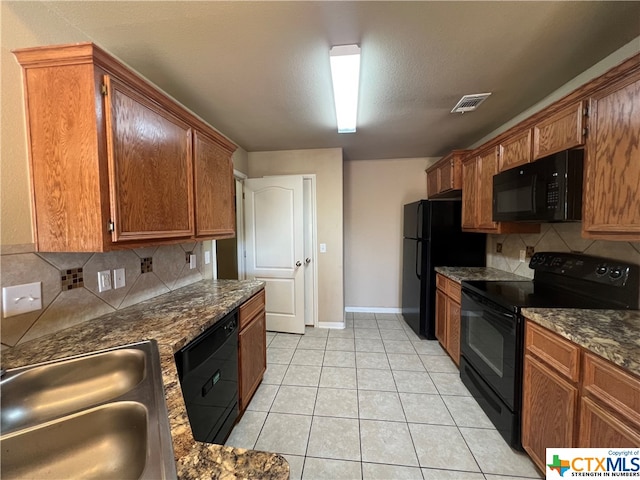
{"x": 345, "y": 73}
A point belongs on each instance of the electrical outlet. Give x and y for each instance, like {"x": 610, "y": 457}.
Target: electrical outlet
{"x": 119, "y": 280}
{"x": 104, "y": 280}
{"x": 21, "y": 299}
{"x": 530, "y": 252}
{"x": 192, "y": 261}
{"x": 523, "y": 255}
{"x": 207, "y": 257}
{"x": 498, "y": 247}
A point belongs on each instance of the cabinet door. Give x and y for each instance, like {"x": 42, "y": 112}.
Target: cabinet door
{"x": 432, "y": 183}
{"x": 441, "y": 318}
{"x": 487, "y": 168}
{"x": 469, "y": 194}
{"x": 559, "y": 131}
{"x": 252, "y": 352}
{"x": 446, "y": 177}
{"x": 612, "y": 169}
{"x": 150, "y": 167}
{"x": 215, "y": 189}
{"x": 453, "y": 330}
{"x": 514, "y": 151}
{"x": 601, "y": 429}
{"x": 549, "y": 406}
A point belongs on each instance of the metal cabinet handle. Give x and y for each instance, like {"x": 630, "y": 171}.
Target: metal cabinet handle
{"x": 298, "y": 263}
{"x": 307, "y": 260}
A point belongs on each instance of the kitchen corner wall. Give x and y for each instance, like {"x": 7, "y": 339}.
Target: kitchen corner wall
{"x": 554, "y": 237}
{"x": 70, "y": 284}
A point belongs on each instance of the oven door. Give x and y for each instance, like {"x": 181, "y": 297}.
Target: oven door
{"x": 490, "y": 342}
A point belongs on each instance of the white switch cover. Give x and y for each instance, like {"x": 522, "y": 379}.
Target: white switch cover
{"x": 21, "y": 299}
{"x": 323, "y": 248}
{"x": 192, "y": 261}
{"x": 207, "y": 257}
{"x": 119, "y": 278}
{"x": 104, "y": 280}
{"x": 523, "y": 255}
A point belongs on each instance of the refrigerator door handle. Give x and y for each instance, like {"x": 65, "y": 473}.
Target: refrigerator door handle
{"x": 418, "y": 221}
{"x": 418, "y": 260}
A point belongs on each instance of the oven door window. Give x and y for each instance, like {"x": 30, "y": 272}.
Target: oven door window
{"x": 489, "y": 344}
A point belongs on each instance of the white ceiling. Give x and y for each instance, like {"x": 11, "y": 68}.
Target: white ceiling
{"x": 259, "y": 71}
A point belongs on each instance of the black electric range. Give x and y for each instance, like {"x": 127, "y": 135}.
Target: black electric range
{"x": 492, "y": 327}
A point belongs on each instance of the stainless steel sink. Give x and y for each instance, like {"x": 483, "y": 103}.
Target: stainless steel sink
{"x": 39, "y": 393}
{"x": 100, "y": 415}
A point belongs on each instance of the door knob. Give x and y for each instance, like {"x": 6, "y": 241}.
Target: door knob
{"x": 298, "y": 263}
{"x": 307, "y": 260}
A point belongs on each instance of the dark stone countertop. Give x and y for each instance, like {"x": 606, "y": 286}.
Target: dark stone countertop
{"x": 489, "y": 274}
{"x": 172, "y": 319}
{"x": 612, "y": 334}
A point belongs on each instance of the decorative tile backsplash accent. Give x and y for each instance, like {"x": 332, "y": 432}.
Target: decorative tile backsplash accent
{"x": 70, "y": 293}
{"x": 554, "y": 237}
{"x": 146, "y": 265}
{"x": 71, "y": 278}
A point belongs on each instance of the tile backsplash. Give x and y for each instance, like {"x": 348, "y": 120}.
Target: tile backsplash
{"x": 554, "y": 237}
{"x": 64, "y": 305}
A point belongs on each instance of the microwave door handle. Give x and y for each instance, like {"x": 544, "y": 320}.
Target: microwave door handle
{"x": 534, "y": 187}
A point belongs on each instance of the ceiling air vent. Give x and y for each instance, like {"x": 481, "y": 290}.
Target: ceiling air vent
{"x": 469, "y": 103}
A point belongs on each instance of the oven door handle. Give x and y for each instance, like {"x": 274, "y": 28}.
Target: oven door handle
{"x": 496, "y": 309}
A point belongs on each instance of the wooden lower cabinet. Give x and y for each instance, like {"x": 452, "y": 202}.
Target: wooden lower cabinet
{"x": 550, "y": 403}
{"x": 573, "y": 398}
{"x": 599, "y": 429}
{"x": 448, "y": 316}
{"x": 252, "y": 348}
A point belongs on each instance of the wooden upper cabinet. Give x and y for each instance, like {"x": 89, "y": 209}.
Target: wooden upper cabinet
{"x": 444, "y": 178}
{"x": 215, "y": 189}
{"x": 112, "y": 157}
{"x": 469, "y": 193}
{"x": 559, "y": 131}
{"x": 611, "y": 207}
{"x": 150, "y": 167}
{"x": 487, "y": 168}
{"x": 514, "y": 150}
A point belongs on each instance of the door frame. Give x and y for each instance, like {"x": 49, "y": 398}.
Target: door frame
{"x": 239, "y": 178}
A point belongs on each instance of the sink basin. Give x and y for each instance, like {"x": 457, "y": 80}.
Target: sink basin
{"x": 101, "y": 415}
{"x": 109, "y": 441}
{"x": 40, "y": 393}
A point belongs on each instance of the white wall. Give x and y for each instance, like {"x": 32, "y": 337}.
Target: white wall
{"x": 326, "y": 164}
{"x": 374, "y": 194}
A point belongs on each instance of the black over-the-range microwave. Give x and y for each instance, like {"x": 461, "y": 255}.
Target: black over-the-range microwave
{"x": 547, "y": 190}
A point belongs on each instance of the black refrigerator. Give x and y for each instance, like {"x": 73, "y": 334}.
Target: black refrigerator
{"x": 433, "y": 237}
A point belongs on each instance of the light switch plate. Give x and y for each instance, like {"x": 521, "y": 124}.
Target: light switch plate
{"x": 21, "y": 299}
{"x": 192, "y": 261}
{"x": 207, "y": 257}
{"x": 119, "y": 278}
{"x": 523, "y": 255}
{"x": 323, "y": 248}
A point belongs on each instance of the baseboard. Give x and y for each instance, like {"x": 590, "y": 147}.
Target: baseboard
{"x": 339, "y": 325}
{"x": 373, "y": 310}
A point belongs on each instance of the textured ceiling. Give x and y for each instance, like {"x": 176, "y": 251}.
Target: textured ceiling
{"x": 259, "y": 71}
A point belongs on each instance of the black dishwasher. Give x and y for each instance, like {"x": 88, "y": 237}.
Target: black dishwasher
{"x": 208, "y": 372}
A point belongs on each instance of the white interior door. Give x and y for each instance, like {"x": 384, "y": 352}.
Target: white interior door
{"x": 274, "y": 241}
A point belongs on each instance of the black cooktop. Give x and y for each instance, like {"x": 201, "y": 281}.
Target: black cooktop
{"x": 516, "y": 295}
{"x": 566, "y": 280}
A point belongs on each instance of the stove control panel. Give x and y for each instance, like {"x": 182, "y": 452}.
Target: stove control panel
{"x": 585, "y": 267}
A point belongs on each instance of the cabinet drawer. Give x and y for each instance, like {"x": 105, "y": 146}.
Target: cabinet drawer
{"x": 453, "y": 289}
{"x": 612, "y": 386}
{"x": 557, "y": 352}
{"x": 251, "y": 308}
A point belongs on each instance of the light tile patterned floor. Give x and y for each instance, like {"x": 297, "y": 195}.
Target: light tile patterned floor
{"x": 372, "y": 401}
